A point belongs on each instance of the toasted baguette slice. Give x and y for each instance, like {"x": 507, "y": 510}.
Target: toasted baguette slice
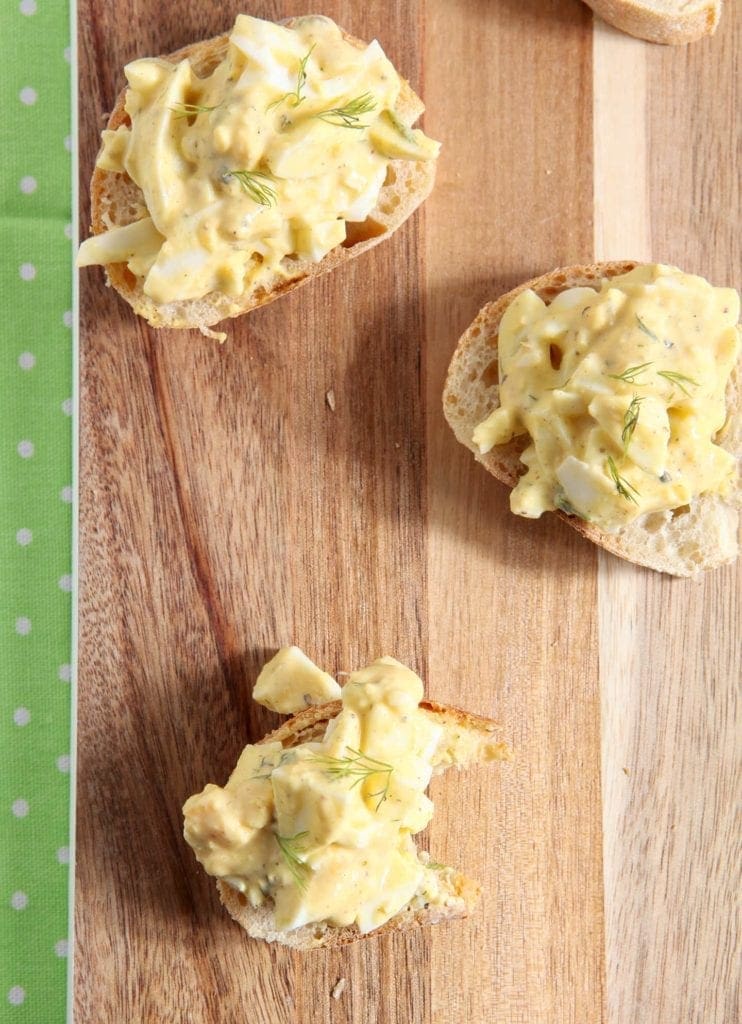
{"x": 661, "y": 21}
{"x": 680, "y": 542}
{"x": 117, "y": 201}
{"x": 466, "y": 739}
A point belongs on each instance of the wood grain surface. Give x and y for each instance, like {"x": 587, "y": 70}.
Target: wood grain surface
{"x": 670, "y": 652}
{"x": 226, "y": 509}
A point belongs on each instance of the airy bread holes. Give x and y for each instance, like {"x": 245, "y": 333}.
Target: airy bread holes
{"x": 362, "y": 232}
{"x": 681, "y": 510}
{"x": 555, "y": 356}
{"x": 390, "y": 205}
{"x": 654, "y": 523}
{"x": 491, "y": 374}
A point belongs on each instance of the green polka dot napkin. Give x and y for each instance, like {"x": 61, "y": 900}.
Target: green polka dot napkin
{"x": 36, "y": 496}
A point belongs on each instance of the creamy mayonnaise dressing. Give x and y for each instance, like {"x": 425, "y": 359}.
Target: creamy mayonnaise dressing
{"x": 324, "y": 829}
{"x": 621, "y": 392}
{"x": 290, "y": 682}
{"x": 288, "y": 138}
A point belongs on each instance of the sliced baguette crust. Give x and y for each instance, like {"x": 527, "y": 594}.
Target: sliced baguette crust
{"x": 259, "y": 923}
{"x": 661, "y": 21}
{"x": 117, "y": 201}
{"x": 462, "y": 892}
{"x": 702, "y": 538}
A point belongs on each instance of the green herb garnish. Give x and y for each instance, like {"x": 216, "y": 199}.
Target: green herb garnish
{"x": 359, "y": 767}
{"x": 630, "y": 374}
{"x": 630, "y": 420}
{"x": 190, "y": 109}
{"x": 435, "y": 866}
{"x": 623, "y": 486}
{"x": 679, "y": 379}
{"x": 301, "y": 80}
{"x": 291, "y": 847}
{"x": 257, "y": 185}
{"x": 645, "y": 330}
{"x": 349, "y": 116}
{"x": 267, "y": 767}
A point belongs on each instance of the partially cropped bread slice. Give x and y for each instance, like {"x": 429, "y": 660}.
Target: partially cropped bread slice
{"x": 681, "y": 542}
{"x": 117, "y": 201}
{"x": 466, "y": 739}
{"x": 661, "y": 21}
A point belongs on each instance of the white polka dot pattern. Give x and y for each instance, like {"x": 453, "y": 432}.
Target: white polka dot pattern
{"x": 19, "y": 900}
{"x": 20, "y": 808}
{"x": 36, "y": 338}
{"x": 16, "y": 995}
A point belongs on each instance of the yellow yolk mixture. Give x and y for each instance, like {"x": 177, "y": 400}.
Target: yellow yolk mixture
{"x": 324, "y": 829}
{"x": 291, "y": 681}
{"x": 621, "y": 392}
{"x": 288, "y": 138}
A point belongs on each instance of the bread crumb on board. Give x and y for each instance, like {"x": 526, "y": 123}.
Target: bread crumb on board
{"x": 330, "y": 399}
{"x": 339, "y": 988}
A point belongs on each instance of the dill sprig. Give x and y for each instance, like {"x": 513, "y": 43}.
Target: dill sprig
{"x": 291, "y": 847}
{"x": 349, "y": 116}
{"x": 678, "y": 379}
{"x": 301, "y": 80}
{"x": 623, "y": 486}
{"x": 265, "y": 768}
{"x": 645, "y": 330}
{"x": 630, "y": 374}
{"x": 257, "y": 185}
{"x": 190, "y": 109}
{"x": 359, "y": 767}
{"x": 267, "y": 765}
{"x": 630, "y": 420}
{"x": 301, "y": 77}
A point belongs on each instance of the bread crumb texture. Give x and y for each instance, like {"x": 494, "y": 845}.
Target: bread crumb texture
{"x": 673, "y": 22}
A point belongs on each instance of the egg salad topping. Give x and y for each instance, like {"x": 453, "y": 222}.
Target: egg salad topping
{"x": 324, "y": 829}
{"x": 291, "y": 681}
{"x": 266, "y": 158}
{"x": 621, "y": 394}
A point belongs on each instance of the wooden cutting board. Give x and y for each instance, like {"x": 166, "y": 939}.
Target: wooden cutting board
{"x": 228, "y": 506}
